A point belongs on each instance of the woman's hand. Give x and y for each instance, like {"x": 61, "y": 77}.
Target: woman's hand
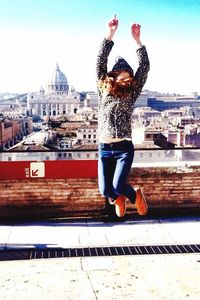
{"x": 135, "y": 31}
{"x": 113, "y": 25}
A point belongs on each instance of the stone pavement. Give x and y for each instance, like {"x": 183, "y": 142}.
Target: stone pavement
{"x": 148, "y": 277}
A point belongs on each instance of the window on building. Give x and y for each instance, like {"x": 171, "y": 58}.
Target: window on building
{"x": 141, "y": 155}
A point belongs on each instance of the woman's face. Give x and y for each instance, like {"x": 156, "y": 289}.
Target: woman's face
{"x": 123, "y": 78}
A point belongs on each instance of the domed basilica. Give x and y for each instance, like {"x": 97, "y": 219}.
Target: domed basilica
{"x": 56, "y": 100}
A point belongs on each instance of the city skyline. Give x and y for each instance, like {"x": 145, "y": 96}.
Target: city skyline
{"x": 36, "y": 35}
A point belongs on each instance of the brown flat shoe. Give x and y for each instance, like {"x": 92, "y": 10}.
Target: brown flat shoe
{"x": 120, "y": 206}
{"x": 140, "y": 202}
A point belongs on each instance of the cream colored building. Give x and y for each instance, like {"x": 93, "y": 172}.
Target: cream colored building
{"x": 56, "y": 100}
{"x": 87, "y": 134}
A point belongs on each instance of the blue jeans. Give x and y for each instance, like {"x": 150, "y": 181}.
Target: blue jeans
{"x": 114, "y": 166}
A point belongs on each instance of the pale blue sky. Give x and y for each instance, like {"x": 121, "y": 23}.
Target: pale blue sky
{"x": 34, "y": 35}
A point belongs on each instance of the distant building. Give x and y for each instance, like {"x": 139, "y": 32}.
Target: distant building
{"x": 163, "y": 103}
{"x": 176, "y": 137}
{"x": 156, "y": 135}
{"x": 13, "y": 131}
{"x": 143, "y": 116}
{"x": 87, "y": 134}
{"x": 195, "y": 111}
{"x": 142, "y": 100}
{"x": 56, "y": 100}
{"x": 193, "y": 140}
{"x": 174, "y": 112}
{"x": 14, "y": 106}
{"x": 91, "y": 100}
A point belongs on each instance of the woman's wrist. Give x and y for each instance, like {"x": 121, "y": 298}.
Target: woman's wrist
{"x": 138, "y": 42}
{"x": 110, "y": 36}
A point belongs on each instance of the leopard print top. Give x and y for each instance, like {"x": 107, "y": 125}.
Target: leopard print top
{"x": 114, "y": 114}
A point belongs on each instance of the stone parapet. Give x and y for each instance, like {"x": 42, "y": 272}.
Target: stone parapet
{"x": 164, "y": 188}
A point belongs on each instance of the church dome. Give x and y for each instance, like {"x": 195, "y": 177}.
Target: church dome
{"x": 58, "y": 82}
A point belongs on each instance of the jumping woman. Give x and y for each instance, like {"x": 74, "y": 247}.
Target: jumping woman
{"x": 118, "y": 90}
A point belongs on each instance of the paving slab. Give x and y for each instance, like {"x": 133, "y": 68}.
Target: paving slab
{"x": 183, "y": 232}
{"x": 46, "y": 235}
{"x": 149, "y": 277}
{"x": 55, "y": 279}
{"x": 138, "y": 234}
{"x": 63, "y": 234}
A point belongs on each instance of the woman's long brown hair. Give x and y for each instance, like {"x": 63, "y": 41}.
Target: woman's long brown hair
{"x": 109, "y": 85}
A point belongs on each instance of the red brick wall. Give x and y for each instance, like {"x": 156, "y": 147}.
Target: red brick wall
{"x": 169, "y": 187}
{"x": 36, "y": 197}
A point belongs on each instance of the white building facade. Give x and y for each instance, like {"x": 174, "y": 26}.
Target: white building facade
{"x": 87, "y": 134}
{"x": 56, "y": 100}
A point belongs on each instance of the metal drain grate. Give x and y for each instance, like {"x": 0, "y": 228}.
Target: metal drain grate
{"x": 97, "y": 251}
